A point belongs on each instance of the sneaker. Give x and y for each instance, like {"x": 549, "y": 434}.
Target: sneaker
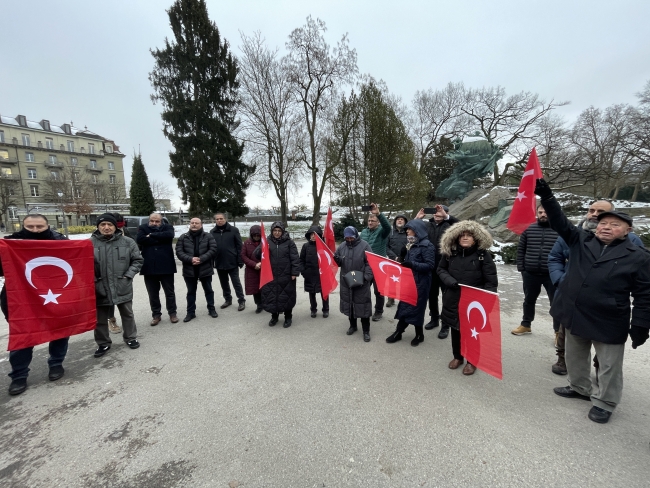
{"x": 376, "y": 317}
{"x": 559, "y": 367}
{"x": 133, "y": 343}
{"x": 113, "y": 327}
{"x": 242, "y": 306}
{"x": 599, "y": 415}
{"x": 101, "y": 350}
{"x": 521, "y": 330}
{"x": 56, "y": 372}
{"x": 17, "y": 386}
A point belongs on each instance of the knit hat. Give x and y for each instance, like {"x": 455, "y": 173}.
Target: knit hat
{"x": 350, "y": 232}
{"x": 107, "y": 217}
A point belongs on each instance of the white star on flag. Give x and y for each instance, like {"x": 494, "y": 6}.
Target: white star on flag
{"x": 50, "y": 297}
{"x": 474, "y": 333}
{"x": 521, "y": 196}
{"x": 395, "y": 278}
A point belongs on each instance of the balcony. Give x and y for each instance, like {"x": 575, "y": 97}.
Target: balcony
{"x": 96, "y": 169}
{"x": 57, "y": 164}
{"x": 8, "y": 161}
{"x": 5, "y": 176}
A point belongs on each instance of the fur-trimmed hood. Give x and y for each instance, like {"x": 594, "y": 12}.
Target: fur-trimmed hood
{"x": 449, "y": 240}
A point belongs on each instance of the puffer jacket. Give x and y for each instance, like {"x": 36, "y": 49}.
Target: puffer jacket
{"x": 422, "y": 259}
{"x": 309, "y": 261}
{"x": 396, "y": 239}
{"x": 251, "y": 275}
{"x": 377, "y": 238}
{"x": 117, "y": 260}
{"x": 535, "y": 244}
{"x": 355, "y": 302}
{"x": 279, "y": 295}
{"x": 207, "y": 251}
{"x": 474, "y": 267}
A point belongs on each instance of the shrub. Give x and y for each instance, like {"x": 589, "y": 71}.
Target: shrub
{"x": 347, "y": 221}
{"x": 78, "y": 229}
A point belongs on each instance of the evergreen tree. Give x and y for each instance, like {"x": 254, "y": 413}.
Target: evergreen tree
{"x": 195, "y": 79}
{"x": 142, "y": 202}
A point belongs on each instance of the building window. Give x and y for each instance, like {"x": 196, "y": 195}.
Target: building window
{"x": 52, "y": 158}
{"x": 55, "y": 175}
{"x": 29, "y": 157}
{"x": 26, "y": 141}
{"x": 4, "y": 154}
{"x": 71, "y": 146}
{"x": 49, "y": 143}
{"x": 93, "y": 164}
{"x": 91, "y": 148}
{"x": 74, "y": 161}
{"x": 111, "y": 165}
{"x": 6, "y": 171}
{"x": 31, "y": 173}
{"x": 2, "y": 136}
{"x": 94, "y": 178}
{"x": 111, "y": 179}
{"x": 13, "y": 213}
{"x": 109, "y": 149}
{"x": 10, "y": 189}
{"x": 33, "y": 190}
{"x": 77, "y": 193}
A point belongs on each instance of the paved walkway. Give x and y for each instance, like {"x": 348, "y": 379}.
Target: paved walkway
{"x": 232, "y": 402}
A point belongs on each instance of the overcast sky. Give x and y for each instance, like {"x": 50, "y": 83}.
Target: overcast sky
{"x": 88, "y": 61}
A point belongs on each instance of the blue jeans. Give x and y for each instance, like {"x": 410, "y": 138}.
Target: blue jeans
{"x": 192, "y": 284}
{"x": 21, "y": 358}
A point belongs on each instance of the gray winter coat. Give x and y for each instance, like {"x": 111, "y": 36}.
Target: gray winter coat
{"x": 355, "y": 302}
{"x": 117, "y": 261}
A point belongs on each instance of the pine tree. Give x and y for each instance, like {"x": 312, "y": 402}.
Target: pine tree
{"x": 142, "y": 202}
{"x": 195, "y": 79}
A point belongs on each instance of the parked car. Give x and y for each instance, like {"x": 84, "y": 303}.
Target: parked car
{"x": 132, "y": 223}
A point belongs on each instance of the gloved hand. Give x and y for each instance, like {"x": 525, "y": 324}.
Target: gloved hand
{"x": 454, "y": 286}
{"x": 638, "y": 335}
{"x": 407, "y": 264}
{"x": 542, "y": 189}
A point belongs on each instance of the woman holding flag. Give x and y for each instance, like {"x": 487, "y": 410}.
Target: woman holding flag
{"x": 310, "y": 271}
{"x": 465, "y": 261}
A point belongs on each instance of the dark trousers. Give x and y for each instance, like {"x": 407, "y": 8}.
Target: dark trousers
{"x": 532, "y": 287}
{"x": 434, "y": 293}
{"x": 455, "y": 343}
{"x": 288, "y": 314}
{"x": 365, "y": 324}
{"x": 313, "y": 303}
{"x": 129, "y": 329}
{"x": 257, "y": 298}
{"x": 192, "y": 284}
{"x": 233, "y": 274}
{"x": 153, "y": 284}
{"x": 379, "y": 300}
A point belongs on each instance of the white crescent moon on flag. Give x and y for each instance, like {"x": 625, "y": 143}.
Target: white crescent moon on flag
{"x": 479, "y": 307}
{"x": 47, "y": 261}
{"x": 384, "y": 263}
{"x": 530, "y": 172}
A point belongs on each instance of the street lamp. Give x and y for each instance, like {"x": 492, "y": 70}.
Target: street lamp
{"x": 65, "y": 222}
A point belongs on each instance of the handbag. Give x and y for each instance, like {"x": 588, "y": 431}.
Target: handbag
{"x": 354, "y": 279}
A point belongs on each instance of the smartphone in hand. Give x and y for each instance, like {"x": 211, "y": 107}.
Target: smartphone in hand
{"x": 429, "y": 210}
{"x": 366, "y": 208}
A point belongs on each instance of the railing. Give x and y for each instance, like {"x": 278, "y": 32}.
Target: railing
{"x": 9, "y": 160}
{"x": 50, "y": 164}
{"x": 97, "y": 169}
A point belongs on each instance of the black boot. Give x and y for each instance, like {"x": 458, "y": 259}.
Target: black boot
{"x": 433, "y": 323}
{"x": 397, "y": 335}
{"x": 366, "y": 329}
{"x": 419, "y": 336}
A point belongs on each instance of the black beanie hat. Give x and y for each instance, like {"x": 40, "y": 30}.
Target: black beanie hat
{"x": 107, "y": 217}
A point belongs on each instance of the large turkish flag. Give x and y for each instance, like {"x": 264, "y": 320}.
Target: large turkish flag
{"x": 50, "y": 289}
{"x": 524, "y": 210}
{"x": 327, "y": 268}
{"x": 328, "y": 233}
{"x": 393, "y": 280}
{"x": 266, "y": 273}
{"x": 480, "y": 329}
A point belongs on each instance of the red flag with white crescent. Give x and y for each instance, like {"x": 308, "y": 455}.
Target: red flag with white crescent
{"x": 524, "y": 211}
{"x": 393, "y": 280}
{"x": 266, "y": 273}
{"x": 327, "y": 268}
{"x": 480, "y": 329}
{"x": 50, "y": 289}
{"x": 328, "y": 232}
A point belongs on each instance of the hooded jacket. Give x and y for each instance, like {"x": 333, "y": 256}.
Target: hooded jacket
{"x": 309, "y": 261}
{"x": 422, "y": 259}
{"x": 354, "y": 302}
{"x": 397, "y": 238}
{"x": 251, "y": 275}
{"x": 229, "y": 247}
{"x": 473, "y": 266}
{"x": 279, "y": 295}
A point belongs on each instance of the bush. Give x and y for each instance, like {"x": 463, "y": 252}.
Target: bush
{"x": 78, "y": 229}
{"x": 508, "y": 253}
{"x": 347, "y": 221}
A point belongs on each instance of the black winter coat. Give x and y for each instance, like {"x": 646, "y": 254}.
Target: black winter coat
{"x": 435, "y": 231}
{"x": 422, "y": 257}
{"x": 207, "y": 251}
{"x": 156, "y": 249}
{"x": 355, "y": 302}
{"x": 279, "y": 295}
{"x": 229, "y": 245}
{"x": 396, "y": 239}
{"x": 594, "y": 298}
{"x": 535, "y": 244}
{"x": 309, "y": 262}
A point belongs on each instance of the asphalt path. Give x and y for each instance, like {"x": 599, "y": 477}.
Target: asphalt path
{"x": 232, "y": 402}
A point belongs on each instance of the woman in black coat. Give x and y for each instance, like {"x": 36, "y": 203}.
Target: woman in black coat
{"x": 421, "y": 258}
{"x": 279, "y": 295}
{"x": 311, "y": 272}
{"x": 467, "y": 261}
{"x": 355, "y": 302}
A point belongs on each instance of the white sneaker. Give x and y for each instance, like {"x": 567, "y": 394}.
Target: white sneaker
{"x": 113, "y": 327}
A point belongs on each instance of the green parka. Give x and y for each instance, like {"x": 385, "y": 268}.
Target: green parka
{"x": 117, "y": 261}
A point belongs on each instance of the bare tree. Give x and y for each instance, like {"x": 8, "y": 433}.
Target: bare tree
{"x": 272, "y": 123}
{"x": 8, "y": 190}
{"x": 316, "y": 72}
{"x": 160, "y": 190}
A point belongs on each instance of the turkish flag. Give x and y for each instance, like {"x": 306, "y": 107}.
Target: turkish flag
{"x": 524, "y": 211}
{"x": 266, "y": 273}
{"x": 480, "y": 329}
{"x": 327, "y": 268}
{"x": 393, "y": 280}
{"x": 50, "y": 289}
{"x": 329, "y": 231}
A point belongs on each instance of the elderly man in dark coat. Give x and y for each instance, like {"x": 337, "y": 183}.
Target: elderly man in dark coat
{"x": 155, "y": 241}
{"x": 593, "y": 303}
{"x": 228, "y": 260}
{"x": 355, "y": 302}
{"x": 196, "y": 249}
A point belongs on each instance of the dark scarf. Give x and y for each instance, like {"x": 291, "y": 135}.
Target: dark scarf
{"x": 196, "y": 237}
{"x": 38, "y": 236}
